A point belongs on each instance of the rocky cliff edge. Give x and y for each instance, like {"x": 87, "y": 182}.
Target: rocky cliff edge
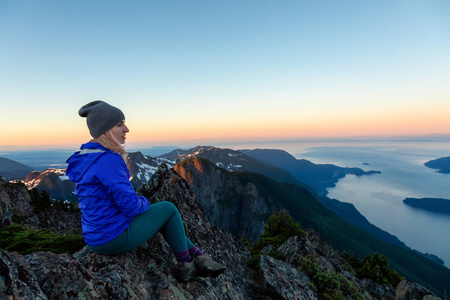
{"x": 148, "y": 272}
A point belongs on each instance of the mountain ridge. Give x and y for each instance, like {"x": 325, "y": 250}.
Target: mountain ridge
{"x": 12, "y": 170}
{"x": 319, "y": 176}
{"x": 217, "y": 189}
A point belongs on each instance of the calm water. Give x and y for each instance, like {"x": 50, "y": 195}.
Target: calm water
{"x": 378, "y": 197}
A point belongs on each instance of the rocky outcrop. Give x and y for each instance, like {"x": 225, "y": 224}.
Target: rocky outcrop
{"x": 15, "y": 203}
{"x": 53, "y": 181}
{"x": 16, "y": 207}
{"x": 142, "y": 167}
{"x": 281, "y": 280}
{"x": 148, "y": 272}
{"x": 228, "y": 202}
{"x": 408, "y": 290}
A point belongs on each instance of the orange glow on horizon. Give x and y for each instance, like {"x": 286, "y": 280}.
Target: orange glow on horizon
{"x": 367, "y": 124}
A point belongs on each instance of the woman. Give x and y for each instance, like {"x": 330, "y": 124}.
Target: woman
{"x": 114, "y": 218}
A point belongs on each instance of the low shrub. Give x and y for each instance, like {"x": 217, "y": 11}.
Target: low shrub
{"x": 25, "y": 240}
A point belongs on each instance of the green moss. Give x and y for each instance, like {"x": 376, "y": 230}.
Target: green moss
{"x": 375, "y": 267}
{"x": 278, "y": 229}
{"x": 24, "y": 240}
{"x": 327, "y": 284}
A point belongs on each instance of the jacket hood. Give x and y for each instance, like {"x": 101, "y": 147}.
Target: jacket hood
{"x": 82, "y": 160}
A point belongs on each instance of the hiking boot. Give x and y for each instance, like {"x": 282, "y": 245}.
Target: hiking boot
{"x": 186, "y": 271}
{"x": 206, "y": 266}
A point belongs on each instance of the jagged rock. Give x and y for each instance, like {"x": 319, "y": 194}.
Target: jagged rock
{"x": 267, "y": 249}
{"x": 17, "y": 280}
{"x": 331, "y": 261}
{"x": 241, "y": 211}
{"x": 15, "y": 201}
{"x": 379, "y": 291}
{"x": 311, "y": 244}
{"x": 281, "y": 280}
{"x": 148, "y": 272}
{"x": 142, "y": 167}
{"x": 60, "y": 221}
{"x": 407, "y": 290}
{"x": 53, "y": 181}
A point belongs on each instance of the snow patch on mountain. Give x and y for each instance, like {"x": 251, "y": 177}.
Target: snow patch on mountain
{"x": 145, "y": 171}
{"x": 169, "y": 162}
{"x": 35, "y": 178}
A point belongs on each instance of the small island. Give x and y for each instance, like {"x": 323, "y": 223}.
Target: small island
{"x": 436, "y": 205}
{"x": 442, "y": 164}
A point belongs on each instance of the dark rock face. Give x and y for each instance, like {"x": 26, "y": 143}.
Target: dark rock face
{"x": 242, "y": 211}
{"x": 60, "y": 221}
{"x": 281, "y": 280}
{"x": 142, "y": 167}
{"x": 54, "y": 182}
{"x": 15, "y": 201}
{"x": 407, "y": 290}
{"x": 148, "y": 272}
{"x": 15, "y": 204}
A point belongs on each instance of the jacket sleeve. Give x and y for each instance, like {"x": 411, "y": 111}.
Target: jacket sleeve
{"x": 112, "y": 172}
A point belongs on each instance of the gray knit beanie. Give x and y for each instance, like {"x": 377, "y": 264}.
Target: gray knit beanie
{"x": 100, "y": 117}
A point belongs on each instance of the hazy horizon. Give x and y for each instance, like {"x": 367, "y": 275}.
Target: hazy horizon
{"x": 133, "y": 145}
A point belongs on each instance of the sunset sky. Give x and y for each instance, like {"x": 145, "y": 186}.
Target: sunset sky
{"x": 204, "y": 72}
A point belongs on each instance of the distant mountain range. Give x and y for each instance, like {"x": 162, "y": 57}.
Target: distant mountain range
{"x": 319, "y": 176}
{"x": 12, "y": 170}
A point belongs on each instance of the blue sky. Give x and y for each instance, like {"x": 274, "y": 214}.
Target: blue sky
{"x": 205, "y": 71}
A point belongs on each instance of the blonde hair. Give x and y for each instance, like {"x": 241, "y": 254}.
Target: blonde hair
{"x": 108, "y": 141}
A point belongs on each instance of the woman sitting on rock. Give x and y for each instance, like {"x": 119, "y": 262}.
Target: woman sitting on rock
{"x": 114, "y": 218}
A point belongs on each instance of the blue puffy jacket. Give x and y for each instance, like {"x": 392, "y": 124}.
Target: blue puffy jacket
{"x": 107, "y": 199}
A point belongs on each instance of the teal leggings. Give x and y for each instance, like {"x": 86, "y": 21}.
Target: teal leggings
{"x": 162, "y": 216}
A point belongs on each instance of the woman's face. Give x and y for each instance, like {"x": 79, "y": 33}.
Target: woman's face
{"x": 119, "y": 131}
